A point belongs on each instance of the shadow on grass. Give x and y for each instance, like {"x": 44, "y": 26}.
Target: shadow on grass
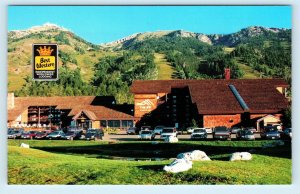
{"x": 155, "y": 168}
{"x": 166, "y": 150}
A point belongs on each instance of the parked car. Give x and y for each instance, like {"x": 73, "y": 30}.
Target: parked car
{"x": 199, "y": 133}
{"x": 287, "y": 133}
{"x": 94, "y": 134}
{"x": 146, "y": 135}
{"x": 277, "y": 126}
{"x": 235, "y": 129}
{"x": 269, "y": 132}
{"x": 10, "y": 130}
{"x": 158, "y": 129}
{"x": 28, "y": 135}
{"x": 131, "y": 131}
{"x": 168, "y": 131}
{"x": 221, "y": 132}
{"x": 41, "y": 135}
{"x": 72, "y": 135}
{"x": 209, "y": 130}
{"x": 144, "y": 128}
{"x": 15, "y": 134}
{"x": 75, "y": 129}
{"x": 251, "y": 129}
{"x": 190, "y": 130}
{"x": 55, "y": 135}
{"x": 245, "y": 135}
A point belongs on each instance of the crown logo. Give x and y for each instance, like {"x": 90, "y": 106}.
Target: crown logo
{"x": 44, "y": 51}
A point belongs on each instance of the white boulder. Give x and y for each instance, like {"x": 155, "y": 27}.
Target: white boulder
{"x": 24, "y": 145}
{"x": 240, "y": 156}
{"x": 178, "y": 165}
{"x": 171, "y": 139}
{"x": 195, "y": 155}
{"x": 198, "y": 155}
{"x": 186, "y": 156}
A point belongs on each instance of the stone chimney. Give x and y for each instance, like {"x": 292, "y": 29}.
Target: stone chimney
{"x": 227, "y": 73}
{"x": 10, "y": 101}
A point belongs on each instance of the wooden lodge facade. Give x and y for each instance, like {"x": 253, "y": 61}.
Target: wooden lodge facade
{"x": 211, "y": 103}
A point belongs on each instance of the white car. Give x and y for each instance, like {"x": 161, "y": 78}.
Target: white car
{"x": 168, "y": 131}
{"x": 146, "y": 135}
{"x": 208, "y": 130}
{"x": 190, "y": 130}
{"x": 199, "y": 133}
{"x": 158, "y": 130}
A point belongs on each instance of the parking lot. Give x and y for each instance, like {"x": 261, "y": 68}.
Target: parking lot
{"x": 125, "y": 137}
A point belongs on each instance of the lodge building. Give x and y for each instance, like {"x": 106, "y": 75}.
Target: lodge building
{"x": 210, "y": 103}
{"x": 81, "y": 111}
{"x": 215, "y": 102}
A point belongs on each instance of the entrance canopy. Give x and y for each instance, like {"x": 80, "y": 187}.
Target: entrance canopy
{"x": 85, "y": 113}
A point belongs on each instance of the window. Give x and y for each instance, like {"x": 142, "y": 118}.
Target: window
{"x": 174, "y": 97}
{"x": 103, "y": 123}
{"x": 128, "y": 123}
{"x": 113, "y": 123}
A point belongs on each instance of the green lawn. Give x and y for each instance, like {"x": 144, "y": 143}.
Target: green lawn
{"x": 81, "y": 162}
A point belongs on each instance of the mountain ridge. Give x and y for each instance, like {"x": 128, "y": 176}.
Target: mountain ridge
{"x": 35, "y": 29}
{"x": 212, "y": 39}
{"x": 229, "y": 39}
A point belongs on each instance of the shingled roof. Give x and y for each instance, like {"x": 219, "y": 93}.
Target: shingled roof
{"x": 215, "y": 97}
{"x": 74, "y": 103}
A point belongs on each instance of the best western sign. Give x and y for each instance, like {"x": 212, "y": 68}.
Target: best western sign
{"x": 45, "y": 66}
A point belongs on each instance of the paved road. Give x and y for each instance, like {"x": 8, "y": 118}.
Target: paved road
{"x": 125, "y": 137}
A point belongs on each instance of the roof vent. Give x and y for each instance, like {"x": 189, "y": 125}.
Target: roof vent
{"x": 239, "y": 97}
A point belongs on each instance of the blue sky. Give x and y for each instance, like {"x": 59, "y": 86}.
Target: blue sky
{"x": 100, "y": 24}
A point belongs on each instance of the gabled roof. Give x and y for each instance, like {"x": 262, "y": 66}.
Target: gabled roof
{"x": 90, "y": 104}
{"x": 164, "y": 86}
{"x": 215, "y": 97}
{"x": 88, "y": 113}
{"x": 100, "y": 113}
{"x": 267, "y": 117}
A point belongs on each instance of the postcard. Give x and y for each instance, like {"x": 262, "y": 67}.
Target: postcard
{"x": 149, "y": 95}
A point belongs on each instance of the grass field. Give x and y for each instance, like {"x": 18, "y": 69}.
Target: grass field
{"x": 250, "y": 73}
{"x": 228, "y": 49}
{"x": 80, "y": 162}
{"x": 165, "y": 70}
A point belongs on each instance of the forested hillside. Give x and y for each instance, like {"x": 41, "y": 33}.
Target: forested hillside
{"x": 89, "y": 69}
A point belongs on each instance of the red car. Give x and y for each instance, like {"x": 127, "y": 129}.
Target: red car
{"x": 28, "y": 135}
{"x": 41, "y": 134}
